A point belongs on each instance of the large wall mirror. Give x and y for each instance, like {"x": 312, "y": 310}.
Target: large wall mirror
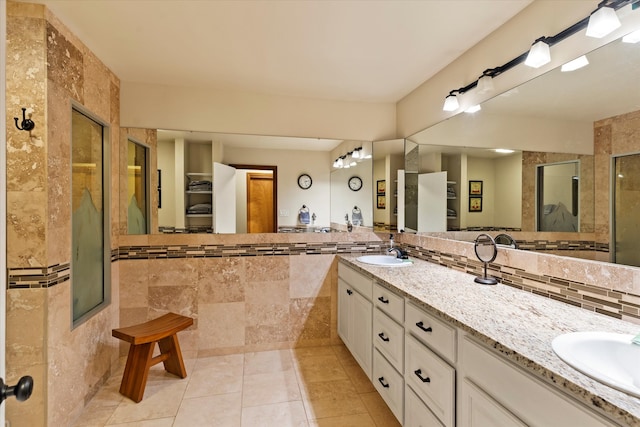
{"x": 204, "y": 182}
{"x": 579, "y": 119}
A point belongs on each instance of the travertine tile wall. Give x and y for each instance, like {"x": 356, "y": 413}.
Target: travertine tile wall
{"x": 530, "y": 159}
{"x": 48, "y": 69}
{"x": 245, "y": 292}
{"x": 613, "y": 136}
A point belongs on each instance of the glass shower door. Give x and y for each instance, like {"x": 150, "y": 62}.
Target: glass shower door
{"x": 626, "y": 205}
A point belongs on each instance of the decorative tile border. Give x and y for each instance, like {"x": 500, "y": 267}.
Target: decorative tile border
{"x": 44, "y": 277}
{"x": 562, "y": 245}
{"x": 612, "y": 303}
{"x": 620, "y": 305}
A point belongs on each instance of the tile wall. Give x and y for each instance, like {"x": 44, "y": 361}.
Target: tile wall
{"x": 48, "y": 69}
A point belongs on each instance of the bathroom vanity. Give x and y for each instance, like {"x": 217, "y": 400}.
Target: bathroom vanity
{"x": 444, "y": 351}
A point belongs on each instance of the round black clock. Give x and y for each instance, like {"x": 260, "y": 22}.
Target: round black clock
{"x": 355, "y": 183}
{"x": 304, "y": 181}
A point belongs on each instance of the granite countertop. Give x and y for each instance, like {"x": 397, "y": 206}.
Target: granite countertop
{"x": 518, "y": 324}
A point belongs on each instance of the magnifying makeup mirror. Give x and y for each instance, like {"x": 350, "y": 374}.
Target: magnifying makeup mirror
{"x": 486, "y": 251}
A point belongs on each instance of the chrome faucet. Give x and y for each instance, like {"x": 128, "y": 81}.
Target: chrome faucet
{"x": 399, "y": 252}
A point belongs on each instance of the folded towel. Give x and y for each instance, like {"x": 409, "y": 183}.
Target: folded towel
{"x": 304, "y": 217}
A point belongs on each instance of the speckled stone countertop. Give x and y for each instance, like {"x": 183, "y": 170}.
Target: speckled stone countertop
{"x": 520, "y": 325}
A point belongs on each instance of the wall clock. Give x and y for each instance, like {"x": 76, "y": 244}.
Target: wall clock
{"x": 355, "y": 183}
{"x": 304, "y": 181}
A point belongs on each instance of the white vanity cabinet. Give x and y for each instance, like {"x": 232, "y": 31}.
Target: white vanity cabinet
{"x": 355, "y": 311}
{"x": 388, "y": 353}
{"x": 433, "y": 374}
{"x": 493, "y": 391}
{"x": 429, "y": 350}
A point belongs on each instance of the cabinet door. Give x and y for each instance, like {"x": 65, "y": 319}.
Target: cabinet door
{"x": 432, "y": 203}
{"x": 477, "y": 409}
{"x": 360, "y": 330}
{"x": 416, "y": 413}
{"x": 343, "y": 311}
{"x": 224, "y": 198}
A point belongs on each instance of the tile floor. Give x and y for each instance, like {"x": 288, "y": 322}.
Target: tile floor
{"x": 314, "y": 387}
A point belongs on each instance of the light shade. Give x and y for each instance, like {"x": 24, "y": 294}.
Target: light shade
{"x": 602, "y": 22}
{"x": 539, "y": 54}
{"x": 577, "y": 63}
{"x": 632, "y": 37}
{"x": 485, "y": 84}
{"x": 451, "y": 103}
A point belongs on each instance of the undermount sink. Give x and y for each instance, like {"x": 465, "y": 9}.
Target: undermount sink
{"x": 384, "y": 260}
{"x": 606, "y": 357}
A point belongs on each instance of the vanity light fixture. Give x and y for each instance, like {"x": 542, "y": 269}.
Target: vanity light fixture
{"x": 602, "y": 22}
{"x": 473, "y": 109}
{"x": 632, "y": 37}
{"x": 485, "y": 84}
{"x": 576, "y": 64}
{"x": 451, "y": 102}
{"x": 356, "y": 153}
{"x": 539, "y": 54}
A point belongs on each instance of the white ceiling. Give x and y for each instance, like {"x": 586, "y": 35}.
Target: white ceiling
{"x": 252, "y": 141}
{"x": 358, "y": 50}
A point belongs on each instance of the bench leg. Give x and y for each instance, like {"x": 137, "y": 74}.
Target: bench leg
{"x": 136, "y": 371}
{"x": 173, "y": 363}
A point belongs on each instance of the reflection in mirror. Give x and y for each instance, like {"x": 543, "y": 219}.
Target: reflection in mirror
{"x": 351, "y": 186}
{"x": 388, "y": 160}
{"x": 626, "y": 199}
{"x": 137, "y": 188}
{"x": 584, "y": 116}
{"x": 558, "y": 196}
{"x": 211, "y": 182}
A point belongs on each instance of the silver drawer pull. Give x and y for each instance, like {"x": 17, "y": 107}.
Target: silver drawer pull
{"x": 382, "y": 300}
{"x": 382, "y": 337}
{"x": 418, "y": 373}
{"x": 381, "y": 379}
{"x": 421, "y": 326}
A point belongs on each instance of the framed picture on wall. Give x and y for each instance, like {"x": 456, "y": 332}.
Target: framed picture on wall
{"x": 382, "y": 202}
{"x": 381, "y": 187}
{"x": 475, "y": 188}
{"x": 475, "y": 204}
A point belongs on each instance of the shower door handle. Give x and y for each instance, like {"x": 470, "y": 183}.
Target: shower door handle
{"x": 22, "y": 390}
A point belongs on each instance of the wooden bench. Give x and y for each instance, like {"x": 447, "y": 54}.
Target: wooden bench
{"x": 142, "y": 338}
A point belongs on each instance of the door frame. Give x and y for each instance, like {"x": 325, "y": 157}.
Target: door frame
{"x": 274, "y": 171}
{"x": 3, "y": 203}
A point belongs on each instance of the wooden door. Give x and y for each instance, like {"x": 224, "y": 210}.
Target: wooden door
{"x": 260, "y": 208}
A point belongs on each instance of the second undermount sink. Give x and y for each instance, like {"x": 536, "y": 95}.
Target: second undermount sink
{"x": 606, "y": 357}
{"x": 383, "y": 260}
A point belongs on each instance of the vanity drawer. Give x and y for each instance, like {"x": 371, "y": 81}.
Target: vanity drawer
{"x": 416, "y": 413}
{"x": 389, "y": 384}
{"x": 389, "y": 302}
{"x": 359, "y": 282}
{"x": 388, "y": 337}
{"x": 435, "y": 333}
{"x": 432, "y": 379}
